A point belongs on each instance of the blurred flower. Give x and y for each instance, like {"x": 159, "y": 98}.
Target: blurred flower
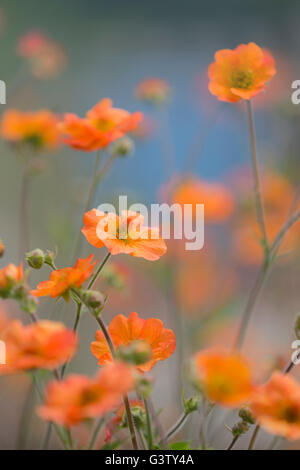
{"x": 10, "y": 277}
{"x": 240, "y": 73}
{"x": 46, "y": 57}
{"x": 224, "y": 377}
{"x": 279, "y": 198}
{"x": 101, "y": 126}
{"x": 124, "y": 234}
{"x": 124, "y": 331}
{"x": 62, "y": 280}
{"x": 78, "y": 397}
{"x": 37, "y": 129}
{"x": 144, "y": 129}
{"x": 197, "y": 279}
{"x": 153, "y": 90}
{"x": 42, "y": 345}
{"x": 217, "y": 199}
{"x": 276, "y": 405}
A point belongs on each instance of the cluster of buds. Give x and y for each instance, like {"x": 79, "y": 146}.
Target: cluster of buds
{"x": 37, "y": 258}
{"x": 13, "y": 286}
{"x": 247, "y": 419}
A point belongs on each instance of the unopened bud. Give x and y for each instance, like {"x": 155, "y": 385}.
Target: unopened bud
{"x": 138, "y": 415}
{"x": 246, "y": 415}
{"x": 137, "y": 353}
{"x": 93, "y": 298}
{"x": 122, "y": 147}
{"x": 240, "y": 428}
{"x": 191, "y": 404}
{"x": 50, "y": 257}
{"x": 2, "y": 248}
{"x": 35, "y": 258}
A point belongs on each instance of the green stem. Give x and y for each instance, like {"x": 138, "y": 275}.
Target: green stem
{"x": 91, "y": 192}
{"x": 254, "y": 436}
{"x": 125, "y": 398}
{"x": 233, "y": 442}
{"x": 149, "y": 425}
{"x": 257, "y": 184}
{"x": 95, "y": 433}
{"x": 24, "y": 215}
{"x": 177, "y": 426}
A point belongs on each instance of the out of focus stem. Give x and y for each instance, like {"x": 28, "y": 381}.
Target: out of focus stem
{"x": 125, "y": 397}
{"x": 149, "y": 425}
{"x": 24, "y": 215}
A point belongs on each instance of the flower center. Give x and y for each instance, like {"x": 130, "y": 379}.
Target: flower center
{"x": 105, "y": 125}
{"x": 35, "y": 140}
{"x": 242, "y": 79}
{"x": 290, "y": 414}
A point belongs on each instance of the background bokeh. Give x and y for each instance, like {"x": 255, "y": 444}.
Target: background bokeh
{"x": 109, "y": 48}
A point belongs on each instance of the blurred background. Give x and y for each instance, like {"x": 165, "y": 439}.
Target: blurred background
{"x": 104, "y": 49}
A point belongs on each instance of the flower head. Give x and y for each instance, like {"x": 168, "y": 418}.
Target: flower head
{"x": 153, "y": 90}
{"x": 125, "y": 234}
{"x": 43, "y": 345}
{"x": 276, "y": 406}
{"x": 224, "y": 378}
{"x": 101, "y": 126}
{"x": 240, "y": 73}
{"x": 62, "y": 280}
{"x": 217, "y": 199}
{"x": 78, "y": 397}
{"x": 37, "y": 129}
{"x": 124, "y": 331}
{"x": 10, "y": 276}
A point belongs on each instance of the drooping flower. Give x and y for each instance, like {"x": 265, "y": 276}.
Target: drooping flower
{"x": 42, "y": 345}
{"x": 125, "y": 234}
{"x": 224, "y": 377}
{"x": 101, "y": 126}
{"x": 46, "y": 57}
{"x": 276, "y": 406}
{"x": 62, "y": 280}
{"x": 124, "y": 331}
{"x": 37, "y": 129}
{"x": 10, "y": 276}
{"x": 153, "y": 90}
{"x": 79, "y": 397}
{"x": 240, "y": 73}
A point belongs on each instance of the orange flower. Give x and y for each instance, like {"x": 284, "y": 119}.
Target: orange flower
{"x": 10, "y": 275}
{"x": 124, "y": 331}
{"x": 35, "y": 128}
{"x": 154, "y": 90}
{"x": 102, "y": 125}
{"x": 124, "y": 234}
{"x": 240, "y": 73}
{"x": 43, "y": 345}
{"x": 224, "y": 377}
{"x": 217, "y": 199}
{"x": 62, "y": 280}
{"x": 78, "y": 397}
{"x": 276, "y": 405}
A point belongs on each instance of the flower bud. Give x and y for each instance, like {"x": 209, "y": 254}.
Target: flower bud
{"x": 246, "y": 415}
{"x": 191, "y": 404}
{"x": 35, "y": 258}
{"x": 138, "y": 415}
{"x": 50, "y": 257}
{"x": 93, "y": 299}
{"x": 144, "y": 386}
{"x": 137, "y": 353}
{"x": 122, "y": 147}
{"x": 2, "y": 248}
{"x": 240, "y": 428}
